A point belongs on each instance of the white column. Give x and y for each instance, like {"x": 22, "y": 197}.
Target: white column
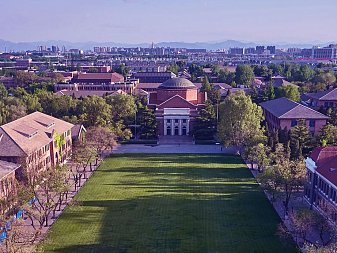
{"x": 165, "y": 126}
{"x": 187, "y": 126}
{"x": 172, "y": 126}
{"x": 180, "y": 127}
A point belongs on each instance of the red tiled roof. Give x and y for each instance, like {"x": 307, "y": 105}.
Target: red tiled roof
{"x": 326, "y": 162}
{"x": 113, "y": 77}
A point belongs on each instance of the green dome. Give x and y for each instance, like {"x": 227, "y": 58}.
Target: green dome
{"x": 177, "y": 83}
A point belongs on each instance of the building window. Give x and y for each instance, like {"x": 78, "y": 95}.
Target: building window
{"x": 176, "y": 121}
{"x": 293, "y": 122}
{"x": 312, "y": 123}
{"x": 168, "y": 121}
{"x": 184, "y": 120}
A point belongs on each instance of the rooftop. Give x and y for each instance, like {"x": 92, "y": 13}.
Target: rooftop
{"x": 177, "y": 83}
{"x": 7, "y": 168}
{"x": 326, "y": 162}
{"x": 324, "y": 95}
{"x": 285, "y": 108}
{"x": 29, "y": 133}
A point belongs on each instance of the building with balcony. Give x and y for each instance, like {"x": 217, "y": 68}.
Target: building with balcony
{"x": 176, "y": 103}
{"x": 321, "y": 186}
{"x": 283, "y": 113}
{"x": 36, "y": 142}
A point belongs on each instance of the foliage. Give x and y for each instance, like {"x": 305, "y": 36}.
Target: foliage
{"x": 240, "y": 120}
{"x": 205, "y": 125}
{"x": 148, "y": 124}
{"x": 289, "y": 91}
{"x": 299, "y": 140}
{"x": 328, "y": 135}
{"x": 244, "y": 75}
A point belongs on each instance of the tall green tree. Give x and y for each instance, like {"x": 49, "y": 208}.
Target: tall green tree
{"x": 244, "y": 75}
{"x": 148, "y": 124}
{"x": 291, "y": 92}
{"x": 205, "y": 125}
{"x": 240, "y": 120}
{"x": 299, "y": 140}
{"x": 96, "y": 111}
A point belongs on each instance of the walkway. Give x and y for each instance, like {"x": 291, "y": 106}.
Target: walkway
{"x": 171, "y": 149}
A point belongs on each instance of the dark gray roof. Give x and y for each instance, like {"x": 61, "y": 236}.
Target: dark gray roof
{"x": 281, "y": 82}
{"x": 324, "y": 95}
{"x": 177, "y": 83}
{"x": 284, "y": 108}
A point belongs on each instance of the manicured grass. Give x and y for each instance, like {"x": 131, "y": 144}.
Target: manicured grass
{"x": 169, "y": 203}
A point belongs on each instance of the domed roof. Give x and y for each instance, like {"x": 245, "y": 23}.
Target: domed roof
{"x": 177, "y": 83}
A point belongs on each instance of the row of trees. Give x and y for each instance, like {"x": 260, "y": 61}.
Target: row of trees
{"x": 116, "y": 112}
{"x": 46, "y": 192}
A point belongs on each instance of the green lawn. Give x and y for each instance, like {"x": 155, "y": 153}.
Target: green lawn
{"x": 169, "y": 203}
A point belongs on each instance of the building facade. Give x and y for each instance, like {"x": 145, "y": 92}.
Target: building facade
{"x": 323, "y": 99}
{"x": 321, "y": 185}
{"x": 176, "y": 103}
{"x": 36, "y": 142}
{"x": 283, "y": 113}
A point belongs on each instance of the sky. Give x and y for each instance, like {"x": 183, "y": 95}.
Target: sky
{"x": 138, "y": 21}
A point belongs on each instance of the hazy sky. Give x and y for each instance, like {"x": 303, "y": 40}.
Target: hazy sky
{"x": 133, "y": 21}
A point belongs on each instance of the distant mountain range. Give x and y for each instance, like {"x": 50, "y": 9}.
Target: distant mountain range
{"x": 21, "y": 46}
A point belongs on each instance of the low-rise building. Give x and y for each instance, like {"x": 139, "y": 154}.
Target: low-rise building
{"x": 36, "y": 142}
{"x": 7, "y": 179}
{"x": 325, "y": 99}
{"x": 283, "y": 113}
{"x": 321, "y": 185}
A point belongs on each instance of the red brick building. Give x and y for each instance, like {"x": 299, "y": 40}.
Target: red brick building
{"x": 321, "y": 186}
{"x": 177, "y": 102}
{"x": 283, "y": 113}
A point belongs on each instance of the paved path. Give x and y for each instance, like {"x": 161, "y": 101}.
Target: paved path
{"x": 169, "y": 149}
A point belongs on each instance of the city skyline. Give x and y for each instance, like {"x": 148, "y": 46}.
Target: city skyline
{"x": 144, "y": 21}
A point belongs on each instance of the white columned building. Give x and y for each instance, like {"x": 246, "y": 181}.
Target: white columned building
{"x": 176, "y": 121}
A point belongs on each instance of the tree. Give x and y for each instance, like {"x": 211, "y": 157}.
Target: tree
{"x": 328, "y": 135}
{"x": 123, "y": 107}
{"x": 205, "y": 125}
{"x": 3, "y": 91}
{"x": 290, "y": 91}
{"x": 291, "y": 176}
{"x": 123, "y": 70}
{"x": 173, "y": 68}
{"x": 100, "y": 138}
{"x": 299, "y": 140}
{"x": 244, "y": 75}
{"x": 96, "y": 111}
{"x": 148, "y": 124}
{"x": 240, "y": 120}
{"x": 46, "y": 189}
{"x": 258, "y": 154}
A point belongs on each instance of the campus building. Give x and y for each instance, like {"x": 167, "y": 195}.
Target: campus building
{"x": 321, "y": 186}
{"x": 283, "y": 113}
{"x": 36, "y": 142}
{"x": 177, "y": 102}
{"x": 325, "y": 99}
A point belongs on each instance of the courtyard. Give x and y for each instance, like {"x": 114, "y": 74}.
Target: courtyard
{"x": 169, "y": 203}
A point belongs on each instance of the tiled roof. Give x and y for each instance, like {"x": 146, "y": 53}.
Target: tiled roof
{"x": 86, "y": 93}
{"x": 326, "y": 162}
{"x": 7, "y": 168}
{"x": 113, "y": 77}
{"x": 76, "y": 131}
{"x": 324, "y": 95}
{"x": 29, "y": 133}
{"x": 282, "y": 82}
{"x": 284, "y": 108}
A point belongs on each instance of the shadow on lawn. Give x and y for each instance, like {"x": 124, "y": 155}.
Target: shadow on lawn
{"x": 214, "y": 210}
{"x": 239, "y": 222}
